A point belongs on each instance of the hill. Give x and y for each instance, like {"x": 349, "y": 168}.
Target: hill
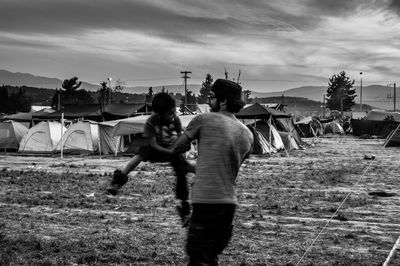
{"x": 29, "y": 80}
{"x": 373, "y": 95}
{"x": 300, "y": 106}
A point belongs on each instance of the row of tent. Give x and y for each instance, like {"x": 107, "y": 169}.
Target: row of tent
{"x": 85, "y": 136}
{"x": 311, "y": 127}
{"x": 273, "y": 131}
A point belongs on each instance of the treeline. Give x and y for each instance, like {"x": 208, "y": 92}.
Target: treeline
{"x": 14, "y": 99}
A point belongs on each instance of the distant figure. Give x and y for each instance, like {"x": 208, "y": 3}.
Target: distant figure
{"x": 161, "y": 130}
{"x": 223, "y": 144}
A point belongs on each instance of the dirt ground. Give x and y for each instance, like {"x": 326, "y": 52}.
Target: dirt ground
{"x": 328, "y": 204}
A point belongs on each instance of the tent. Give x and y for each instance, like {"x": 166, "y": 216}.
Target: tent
{"x": 80, "y": 137}
{"x": 261, "y": 144}
{"x": 309, "y": 127}
{"x": 333, "y": 127}
{"x": 23, "y": 118}
{"x": 381, "y": 115}
{"x": 262, "y": 127}
{"x": 108, "y": 143}
{"x": 283, "y": 122}
{"x": 377, "y": 122}
{"x": 393, "y": 139}
{"x": 11, "y": 134}
{"x": 126, "y": 127}
{"x": 134, "y": 125}
{"x": 289, "y": 141}
{"x": 42, "y": 137}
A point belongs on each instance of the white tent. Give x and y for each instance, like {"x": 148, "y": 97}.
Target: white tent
{"x": 108, "y": 143}
{"x": 264, "y": 128}
{"x": 43, "y": 137}
{"x": 11, "y": 133}
{"x": 333, "y": 127}
{"x": 134, "y": 125}
{"x": 80, "y": 137}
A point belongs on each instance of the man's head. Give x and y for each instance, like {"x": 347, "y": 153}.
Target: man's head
{"x": 163, "y": 104}
{"x": 227, "y": 93}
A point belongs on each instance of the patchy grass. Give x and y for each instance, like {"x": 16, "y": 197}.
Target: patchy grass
{"x": 58, "y": 214}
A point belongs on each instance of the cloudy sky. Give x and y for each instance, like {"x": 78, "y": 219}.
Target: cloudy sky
{"x": 276, "y": 44}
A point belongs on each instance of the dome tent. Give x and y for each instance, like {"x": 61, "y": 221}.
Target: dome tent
{"x": 80, "y": 137}
{"x": 43, "y": 137}
{"x": 11, "y": 134}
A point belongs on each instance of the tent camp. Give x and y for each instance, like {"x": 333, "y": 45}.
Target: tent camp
{"x": 393, "y": 139}
{"x": 11, "y": 133}
{"x": 42, "y": 137}
{"x": 377, "y": 122}
{"x": 80, "y": 138}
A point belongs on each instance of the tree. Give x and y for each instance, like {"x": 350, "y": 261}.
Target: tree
{"x": 22, "y": 102}
{"x": 69, "y": 94}
{"x": 340, "y": 93}
{"x": 246, "y": 96}
{"x": 150, "y": 95}
{"x": 205, "y": 89}
{"x": 71, "y": 85}
{"x": 119, "y": 85}
{"x": 13, "y": 100}
{"x": 104, "y": 95}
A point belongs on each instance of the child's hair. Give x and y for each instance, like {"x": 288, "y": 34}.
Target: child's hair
{"x": 162, "y": 102}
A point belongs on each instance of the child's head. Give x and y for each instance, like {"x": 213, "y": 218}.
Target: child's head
{"x": 163, "y": 103}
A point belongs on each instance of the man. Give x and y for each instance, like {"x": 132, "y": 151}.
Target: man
{"x": 223, "y": 144}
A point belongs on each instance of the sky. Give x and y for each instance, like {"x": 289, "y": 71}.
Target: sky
{"x": 275, "y": 44}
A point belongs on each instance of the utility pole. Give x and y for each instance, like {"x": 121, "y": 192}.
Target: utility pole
{"x": 109, "y": 89}
{"x": 394, "y": 97}
{"x": 323, "y": 106}
{"x": 226, "y": 74}
{"x": 185, "y": 77}
{"x": 341, "y": 102}
{"x": 360, "y": 91}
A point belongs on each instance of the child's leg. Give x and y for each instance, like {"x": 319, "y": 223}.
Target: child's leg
{"x": 132, "y": 164}
{"x": 179, "y": 164}
{"x": 120, "y": 177}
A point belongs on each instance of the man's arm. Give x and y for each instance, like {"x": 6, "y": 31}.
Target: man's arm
{"x": 181, "y": 145}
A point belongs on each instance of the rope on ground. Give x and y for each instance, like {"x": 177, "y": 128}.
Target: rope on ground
{"x": 396, "y": 245}
{"x": 333, "y": 215}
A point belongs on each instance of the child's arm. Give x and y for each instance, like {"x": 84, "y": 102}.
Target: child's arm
{"x": 153, "y": 143}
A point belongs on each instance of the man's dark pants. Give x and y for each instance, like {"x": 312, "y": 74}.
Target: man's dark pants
{"x": 210, "y": 230}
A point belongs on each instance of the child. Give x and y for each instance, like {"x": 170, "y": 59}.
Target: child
{"x": 161, "y": 130}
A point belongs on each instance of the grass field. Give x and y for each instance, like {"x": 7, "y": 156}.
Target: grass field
{"x": 54, "y": 211}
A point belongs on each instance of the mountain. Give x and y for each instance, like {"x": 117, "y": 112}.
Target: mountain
{"x": 26, "y": 79}
{"x": 374, "y": 95}
{"x": 170, "y": 88}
